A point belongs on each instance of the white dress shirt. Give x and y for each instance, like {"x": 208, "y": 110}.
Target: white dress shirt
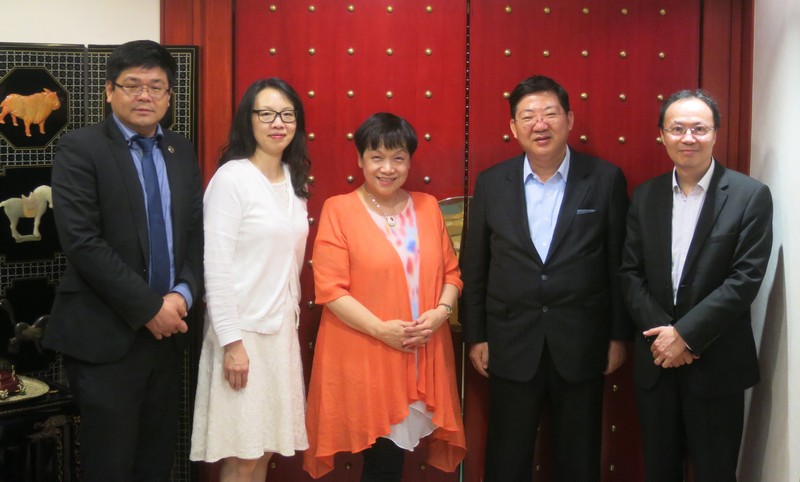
{"x": 685, "y": 213}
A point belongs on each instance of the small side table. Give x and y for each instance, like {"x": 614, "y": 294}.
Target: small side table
{"x": 38, "y": 438}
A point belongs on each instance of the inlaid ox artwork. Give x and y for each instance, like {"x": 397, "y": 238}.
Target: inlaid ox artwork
{"x": 32, "y": 109}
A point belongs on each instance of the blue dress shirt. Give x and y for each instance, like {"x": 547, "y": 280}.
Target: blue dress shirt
{"x": 166, "y": 201}
{"x": 543, "y": 203}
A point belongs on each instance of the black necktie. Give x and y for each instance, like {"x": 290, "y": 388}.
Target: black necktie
{"x": 159, "y": 251}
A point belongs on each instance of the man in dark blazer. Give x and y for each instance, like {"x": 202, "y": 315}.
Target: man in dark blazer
{"x": 541, "y": 305}
{"x": 119, "y": 330}
{"x": 698, "y": 243}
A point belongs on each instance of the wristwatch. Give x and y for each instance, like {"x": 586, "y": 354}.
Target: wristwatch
{"x": 448, "y": 308}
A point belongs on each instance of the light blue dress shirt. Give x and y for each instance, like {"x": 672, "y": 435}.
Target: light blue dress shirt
{"x": 166, "y": 200}
{"x": 543, "y": 203}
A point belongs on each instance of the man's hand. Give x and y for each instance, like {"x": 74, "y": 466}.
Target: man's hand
{"x": 176, "y": 297}
{"x": 169, "y": 319}
{"x": 669, "y": 350}
{"x": 685, "y": 358}
{"x": 479, "y": 355}
{"x": 616, "y": 356}
{"x": 236, "y": 364}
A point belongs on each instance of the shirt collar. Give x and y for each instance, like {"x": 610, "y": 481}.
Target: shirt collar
{"x": 129, "y": 133}
{"x": 562, "y": 171}
{"x": 703, "y": 183}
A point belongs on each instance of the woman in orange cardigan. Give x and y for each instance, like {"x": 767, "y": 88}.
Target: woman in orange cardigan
{"x": 383, "y": 376}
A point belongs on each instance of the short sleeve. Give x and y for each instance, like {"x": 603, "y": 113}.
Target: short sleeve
{"x": 331, "y": 257}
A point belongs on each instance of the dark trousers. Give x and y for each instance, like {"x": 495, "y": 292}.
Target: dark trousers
{"x": 514, "y": 407}
{"x": 129, "y": 412}
{"x": 383, "y": 462}
{"x": 676, "y": 423}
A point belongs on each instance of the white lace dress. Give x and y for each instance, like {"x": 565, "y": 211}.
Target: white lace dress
{"x": 268, "y": 415}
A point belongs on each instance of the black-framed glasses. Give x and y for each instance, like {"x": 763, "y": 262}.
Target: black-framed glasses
{"x": 135, "y": 90}
{"x": 269, "y": 116}
{"x": 679, "y": 131}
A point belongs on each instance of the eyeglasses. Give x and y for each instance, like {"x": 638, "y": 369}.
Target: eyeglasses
{"x": 528, "y": 120}
{"x": 133, "y": 90}
{"x": 269, "y": 116}
{"x": 679, "y": 131}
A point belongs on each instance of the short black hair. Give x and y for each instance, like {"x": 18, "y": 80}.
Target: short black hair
{"x": 140, "y": 53}
{"x": 690, "y": 94}
{"x": 387, "y": 130}
{"x": 242, "y": 143}
{"x": 534, "y": 85}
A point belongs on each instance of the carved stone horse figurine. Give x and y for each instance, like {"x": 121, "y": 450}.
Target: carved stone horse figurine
{"x": 31, "y": 206}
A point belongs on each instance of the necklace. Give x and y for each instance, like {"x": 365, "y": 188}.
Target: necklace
{"x": 391, "y": 220}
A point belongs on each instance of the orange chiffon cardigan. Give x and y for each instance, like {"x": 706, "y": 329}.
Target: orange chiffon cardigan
{"x": 360, "y": 386}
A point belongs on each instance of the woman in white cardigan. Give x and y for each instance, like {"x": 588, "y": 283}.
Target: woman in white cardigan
{"x": 250, "y": 397}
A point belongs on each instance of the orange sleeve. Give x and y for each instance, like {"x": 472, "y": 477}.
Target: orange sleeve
{"x": 452, "y": 273}
{"x": 429, "y": 208}
{"x": 331, "y": 258}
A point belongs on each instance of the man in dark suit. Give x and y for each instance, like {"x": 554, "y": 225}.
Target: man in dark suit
{"x": 541, "y": 305}
{"x": 129, "y": 219}
{"x": 698, "y": 242}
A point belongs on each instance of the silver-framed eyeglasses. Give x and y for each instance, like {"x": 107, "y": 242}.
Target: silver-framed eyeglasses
{"x": 528, "y": 119}
{"x": 269, "y": 116}
{"x": 135, "y": 90}
{"x": 697, "y": 131}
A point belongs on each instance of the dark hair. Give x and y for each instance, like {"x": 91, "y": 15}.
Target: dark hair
{"x": 242, "y": 144}
{"x": 534, "y": 85}
{"x": 690, "y": 94}
{"x": 387, "y": 130}
{"x": 140, "y": 53}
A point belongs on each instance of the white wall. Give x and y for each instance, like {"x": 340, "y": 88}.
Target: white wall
{"x": 771, "y": 448}
{"x": 80, "y": 21}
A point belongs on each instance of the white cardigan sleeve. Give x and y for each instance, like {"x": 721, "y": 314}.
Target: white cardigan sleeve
{"x": 223, "y": 209}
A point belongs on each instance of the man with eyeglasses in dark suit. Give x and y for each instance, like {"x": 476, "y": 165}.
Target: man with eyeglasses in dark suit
{"x": 129, "y": 219}
{"x": 698, "y": 242}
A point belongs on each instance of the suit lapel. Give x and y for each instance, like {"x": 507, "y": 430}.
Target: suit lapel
{"x": 576, "y": 190}
{"x": 518, "y": 209}
{"x": 715, "y": 200}
{"x": 130, "y": 179}
{"x": 175, "y": 180}
{"x": 658, "y": 227}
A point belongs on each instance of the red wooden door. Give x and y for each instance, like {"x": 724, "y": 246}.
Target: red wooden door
{"x": 446, "y": 65}
{"x": 348, "y": 60}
